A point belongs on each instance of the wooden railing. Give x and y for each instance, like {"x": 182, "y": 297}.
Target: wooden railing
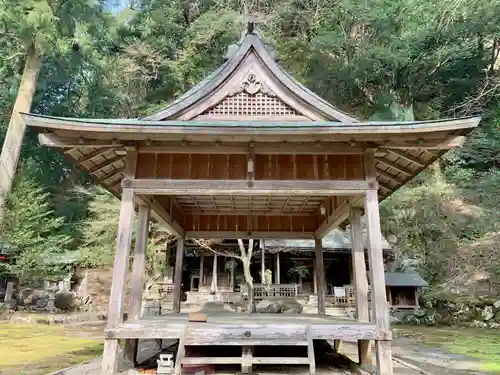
{"x": 261, "y": 291}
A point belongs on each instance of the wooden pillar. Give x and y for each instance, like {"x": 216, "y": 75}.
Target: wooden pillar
{"x": 360, "y": 281}
{"x": 315, "y": 279}
{"x": 376, "y": 264}
{"x": 278, "y": 269}
{"x": 320, "y": 275}
{"x": 213, "y": 287}
{"x": 179, "y": 260}
{"x": 231, "y": 280}
{"x": 202, "y": 265}
{"x": 263, "y": 263}
{"x": 120, "y": 268}
{"x": 138, "y": 272}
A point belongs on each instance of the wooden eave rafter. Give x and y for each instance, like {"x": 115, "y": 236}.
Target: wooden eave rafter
{"x": 250, "y": 45}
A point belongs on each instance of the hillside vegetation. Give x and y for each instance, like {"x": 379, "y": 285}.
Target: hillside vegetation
{"x": 380, "y": 60}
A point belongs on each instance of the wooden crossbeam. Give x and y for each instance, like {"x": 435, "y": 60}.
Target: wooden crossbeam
{"x": 404, "y": 155}
{"x": 336, "y": 217}
{"x": 395, "y": 166}
{"x": 241, "y": 187}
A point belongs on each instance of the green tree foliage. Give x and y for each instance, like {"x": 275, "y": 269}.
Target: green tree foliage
{"x": 33, "y": 237}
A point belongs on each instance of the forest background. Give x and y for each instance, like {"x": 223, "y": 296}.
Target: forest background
{"x": 378, "y": 59}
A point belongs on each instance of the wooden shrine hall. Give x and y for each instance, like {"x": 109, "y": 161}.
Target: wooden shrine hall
{"x": 250, "y": 153}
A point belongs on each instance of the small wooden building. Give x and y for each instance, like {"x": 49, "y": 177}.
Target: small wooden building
{"x": 250, "y": 153}
{"x": 403, "y": 289}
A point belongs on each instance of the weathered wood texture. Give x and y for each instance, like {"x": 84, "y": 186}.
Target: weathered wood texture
{"x": 138, "y": 274}
{"x": 139, "y": 264}
{"x": 360, "y": 280}
{"x": 179, "y": 260}
{"x": 120, "y": 269}
{"x": 376, "y": 263}
{"x": 11, "y": 148}
{"x": 320, "y": 274}
{"x": 269, "y": 329}
{"x": 203, "y": 187}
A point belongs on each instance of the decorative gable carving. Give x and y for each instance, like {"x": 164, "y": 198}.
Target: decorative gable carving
{"x": 252, "y": 85}
{"x": 251, "y": 98}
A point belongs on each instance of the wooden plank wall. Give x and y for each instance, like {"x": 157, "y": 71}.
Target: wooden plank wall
{"x": 234, "y": 167}
{"x": 261, "y": 223}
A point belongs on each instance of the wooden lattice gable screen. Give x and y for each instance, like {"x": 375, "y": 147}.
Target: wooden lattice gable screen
{"x": 251, "y": 86}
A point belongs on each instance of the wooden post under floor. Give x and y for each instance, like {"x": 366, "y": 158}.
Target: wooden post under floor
{"x": 315, "y": 279}
{"x": 138, "y": 273}
{"x": 231, "y": 279}
{"x": 360, "y": 281}
{"x": 376, "y": 263}
{"x": 213, "y": 287}
{"x": 278, "y": 273}
{"x": 202, "y": 266}
{"x": 263, "y": 263}
{"x": 120, "y": 269}
{"x": 179, "y": 260}
{"x": 320, "y": 275}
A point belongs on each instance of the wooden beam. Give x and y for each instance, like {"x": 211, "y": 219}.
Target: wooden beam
{"x": 336, "y": 218}
{"x": 320, "y": 274}
{"x": 165, "y": 219}
{"x": 447, "y": 143}
{"x": 172, "y": 327}
{"x": 249, "y": 235}
{"x": 53, "y": 140}
{"x": 360, "y": 281}
{"x": 284, "y": 148}
{"x": 395, "y": 166}
{"x": 179, "y": 260}
{"x": 377, "y": 277}
{"x": 241, "y": 187}
{"x": 138, "y": 273}
{"x": 120, "y": 269}
{"x": 404, "y": 155}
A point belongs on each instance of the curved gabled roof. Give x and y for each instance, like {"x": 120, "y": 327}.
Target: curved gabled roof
{"x": 252, "y": 51}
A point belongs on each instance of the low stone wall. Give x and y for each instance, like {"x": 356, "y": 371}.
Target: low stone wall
{"x": 480, "y": 314}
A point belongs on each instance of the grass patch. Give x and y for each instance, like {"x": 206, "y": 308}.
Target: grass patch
{"x": 37, "y": 349}
{"x": 481, "y": 344}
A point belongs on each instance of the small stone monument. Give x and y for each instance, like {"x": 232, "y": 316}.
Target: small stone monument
{"x": 165, "y": 365}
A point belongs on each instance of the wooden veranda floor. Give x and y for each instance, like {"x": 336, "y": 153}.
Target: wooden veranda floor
{"x": 241, "y": 326}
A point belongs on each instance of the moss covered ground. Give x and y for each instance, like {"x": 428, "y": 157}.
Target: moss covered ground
{"x": 37, "y": 350}
{"x": 482, "y": 344}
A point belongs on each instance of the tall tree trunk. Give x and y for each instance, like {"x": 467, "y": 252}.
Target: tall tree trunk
{"x": 15, "y": 133}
